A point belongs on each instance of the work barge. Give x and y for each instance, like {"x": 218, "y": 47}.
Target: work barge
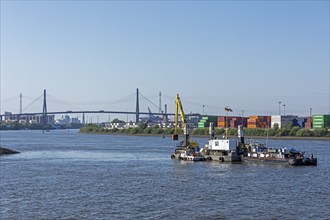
{"x": 232, "y": 150}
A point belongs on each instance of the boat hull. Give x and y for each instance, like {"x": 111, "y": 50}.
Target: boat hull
{"x": 302, "y": 162}
{"x": 264, "y": 160}
{"x": 180, "y": 154}
{"x": 222, "y": 158}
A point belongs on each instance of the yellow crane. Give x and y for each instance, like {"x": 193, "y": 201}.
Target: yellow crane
{"x": 179, "y": 109}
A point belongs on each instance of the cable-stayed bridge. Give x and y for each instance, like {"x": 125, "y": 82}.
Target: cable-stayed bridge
{"x": 45, "y": 111}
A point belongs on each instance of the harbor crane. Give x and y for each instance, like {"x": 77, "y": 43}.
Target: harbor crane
{"x": 187, "y": 150}
{"x": 179, "y": 109}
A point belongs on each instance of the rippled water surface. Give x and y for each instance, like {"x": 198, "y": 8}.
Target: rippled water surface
{"x": 68, "y": 175}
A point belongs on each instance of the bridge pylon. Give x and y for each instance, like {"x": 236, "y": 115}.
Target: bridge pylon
{"x": 44, "y": 111}
{"x": 137, "y": 114}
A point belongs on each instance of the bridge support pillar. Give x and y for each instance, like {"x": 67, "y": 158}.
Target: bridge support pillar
{"x": 44, "y": 111}
{"x": 137, "y": 115}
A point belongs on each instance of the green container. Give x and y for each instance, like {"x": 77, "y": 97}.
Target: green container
{"x": 321, "y": 121}
{"x": 203, "y": 121}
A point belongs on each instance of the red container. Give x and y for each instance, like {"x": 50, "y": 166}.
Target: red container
{"x": 308, "y": 125}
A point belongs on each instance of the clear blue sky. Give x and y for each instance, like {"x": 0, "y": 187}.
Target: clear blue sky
{"x": 248, "y": 55}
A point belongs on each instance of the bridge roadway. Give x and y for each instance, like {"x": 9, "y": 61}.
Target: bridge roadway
{"x": 95, "y": 112}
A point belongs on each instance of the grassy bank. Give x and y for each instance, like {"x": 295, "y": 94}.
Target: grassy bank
{"x": 287, "y": 132}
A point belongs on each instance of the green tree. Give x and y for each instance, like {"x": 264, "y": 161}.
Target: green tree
{"x": 319, "y": 132}
{"x": 294, "y": 130}
{"x": 304, "y": 133}
{"x": 169, "y": 131}
{"x": 289, "y": 125}
{"x": 219, "y": 131}
{"x": 157, "y": 131}
{"x": 147, "y": 130}
{"x": 89, "y": 128}
{"x": 116, "y": 120}
{"x": 282, "y": 132}
{"x": 143, "y": 126}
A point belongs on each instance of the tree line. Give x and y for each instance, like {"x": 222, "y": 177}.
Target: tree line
{"x": 287, "y": 131}
{"x": 28, "y": 126}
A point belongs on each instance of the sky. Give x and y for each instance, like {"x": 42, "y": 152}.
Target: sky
{"x": 92, "y": 55}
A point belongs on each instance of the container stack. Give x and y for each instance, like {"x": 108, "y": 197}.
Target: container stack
{"x": 222, "y": 122}
{"x": 232, "y": 121}
{"x": 321, "y": 121}
{"x": 308, "y": 123}
{"x": 235, "y": 121}
{"x": 259, "y": 122}
{"x": 205, "y": 121}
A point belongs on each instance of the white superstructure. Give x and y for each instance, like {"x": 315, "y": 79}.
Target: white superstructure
{"x": 225, "y": 144}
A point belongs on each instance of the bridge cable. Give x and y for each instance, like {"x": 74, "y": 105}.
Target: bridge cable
{"x": 60, "y": 101}
{"x": 10, "y": 99}
{"x": 150, "y": 102}
{"x": 195, "y": 103}
{"x": 28, "y": 106}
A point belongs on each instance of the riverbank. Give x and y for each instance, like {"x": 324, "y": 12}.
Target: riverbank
{"x": 272, "y": 137}
{"x": 4, "y": 151}
{"x": 260, "y": 133}
{"x": 206, "y": 136}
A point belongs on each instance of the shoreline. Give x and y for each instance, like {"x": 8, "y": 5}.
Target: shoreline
{"x": 206, "y": 136}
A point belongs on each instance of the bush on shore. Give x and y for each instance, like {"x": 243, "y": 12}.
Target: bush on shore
{"x": 288, "y": 131}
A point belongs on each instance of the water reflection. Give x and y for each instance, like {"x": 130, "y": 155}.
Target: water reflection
{"x": 82, "y": 155}
{"x": 70, "y": 175}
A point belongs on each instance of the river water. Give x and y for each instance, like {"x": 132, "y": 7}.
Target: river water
{"x": 67, "y": 175}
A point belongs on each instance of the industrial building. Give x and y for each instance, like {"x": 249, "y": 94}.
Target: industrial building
{"x": 283, "y": 120}
{"x": 31, "y": 119}
{"x": 65, "y": 120}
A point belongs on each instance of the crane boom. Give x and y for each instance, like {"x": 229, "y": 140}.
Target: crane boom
{"x": 186, "y": 142}
{"x": 178, "y": 109}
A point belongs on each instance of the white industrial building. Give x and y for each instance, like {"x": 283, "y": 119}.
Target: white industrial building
{"x": 65, "y": 120}
{"x": 282, "y": 120}
{"x": 31, "y": 119}
{"x": 119, "y": 125}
